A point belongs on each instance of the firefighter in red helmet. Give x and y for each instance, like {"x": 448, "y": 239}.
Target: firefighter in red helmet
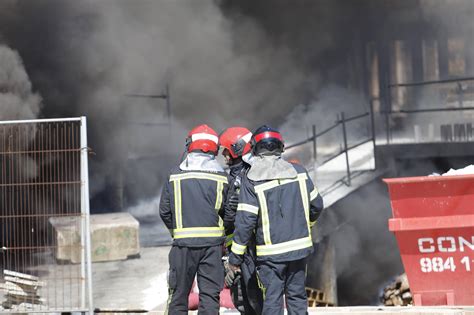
{"x": 279, "y": 204}
{"x": 190, "y": 206}
{"x": 246, "y": 295}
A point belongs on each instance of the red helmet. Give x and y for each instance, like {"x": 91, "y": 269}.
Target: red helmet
{"x": 202, "y": 138}
{"x": 236, "y": 140}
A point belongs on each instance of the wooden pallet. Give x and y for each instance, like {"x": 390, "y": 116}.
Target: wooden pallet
{"x": 317, "y": 298}
{"x": 20, "y": 288}
{"x": 313, "y": 303}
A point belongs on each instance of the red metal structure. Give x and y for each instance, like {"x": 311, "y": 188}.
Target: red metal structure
{"x": 433, "y": 221}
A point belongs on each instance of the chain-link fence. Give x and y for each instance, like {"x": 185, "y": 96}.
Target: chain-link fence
{"x": 44, "y": 216}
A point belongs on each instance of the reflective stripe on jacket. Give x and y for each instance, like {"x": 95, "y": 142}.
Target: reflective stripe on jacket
{"x": 282, "y": 213}
{"x": 191, "y": 207}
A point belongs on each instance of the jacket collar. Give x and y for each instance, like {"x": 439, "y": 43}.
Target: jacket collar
{"x": 270, "y": 167}
{"x": 195, "y": 161}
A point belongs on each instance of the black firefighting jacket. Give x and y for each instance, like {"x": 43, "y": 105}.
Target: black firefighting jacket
{"x": 282, "y": 213}
{"x": 191, "y": 207}
{"x": 237, "y": 172}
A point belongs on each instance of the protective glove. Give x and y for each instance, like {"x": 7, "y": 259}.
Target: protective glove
{"x": 233, "y": 202}
{"x": 232, "y": 277}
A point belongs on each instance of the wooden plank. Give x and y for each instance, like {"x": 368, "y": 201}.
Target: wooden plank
{"x": 19, "y": 275}
{"x": 18, "y": 300}
{"x": 25, "y": 281}
{"x": 15, "y": 289}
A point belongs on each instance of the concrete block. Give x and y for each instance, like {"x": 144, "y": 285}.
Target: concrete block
{"x": 114, "y": 236}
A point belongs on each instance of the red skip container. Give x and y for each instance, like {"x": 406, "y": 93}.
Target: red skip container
{"x": 433, "y": 221}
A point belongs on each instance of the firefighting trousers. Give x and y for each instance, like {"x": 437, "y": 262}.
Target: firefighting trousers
{"x": 287, "y": 278}
{"x": 185, "y": 263}
{"x": 247, "y": 296}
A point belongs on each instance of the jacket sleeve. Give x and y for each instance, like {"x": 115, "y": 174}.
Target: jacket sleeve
{"x": 246, "y": 220}
{"x": 229, "y": 218}
{"x": 165, "y": 206}
{"x": 316, "y": 205}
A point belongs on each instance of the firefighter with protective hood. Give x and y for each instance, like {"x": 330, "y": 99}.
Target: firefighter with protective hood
{"x": 280, "y": 203}
{"x": 246, "y": 295}
{"x": 190, "y": 206}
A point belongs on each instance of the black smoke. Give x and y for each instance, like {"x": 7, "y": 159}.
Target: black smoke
{"x": 85, "y": 57}
{"x": 227, "y": 62}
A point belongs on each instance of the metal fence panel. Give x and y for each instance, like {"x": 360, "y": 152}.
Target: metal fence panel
{"x": 44, "y": 180}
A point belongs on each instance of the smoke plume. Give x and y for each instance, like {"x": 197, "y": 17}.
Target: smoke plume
{"x": 17, "y": 100}
{"x": 323, "y": 111}
{"x": 367, "y": 253}
{"x": 86, "y": 57}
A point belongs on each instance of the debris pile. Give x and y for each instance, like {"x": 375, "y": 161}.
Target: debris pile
{"x": 316, "y": 298}
{"x": 468, "y": 170}
{"x": 21, "y": 290}
{"x": 398, "y": 292}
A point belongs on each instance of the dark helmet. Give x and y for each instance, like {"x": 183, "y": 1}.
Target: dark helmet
{"x": 266, "y": 140}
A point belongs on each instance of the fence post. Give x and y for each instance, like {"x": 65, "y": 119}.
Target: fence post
{"x": 85, "y": 220}
{"x": 314, "y": 144}
{"x": 372, "y": 122}
{"x": 345, "y": 149}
